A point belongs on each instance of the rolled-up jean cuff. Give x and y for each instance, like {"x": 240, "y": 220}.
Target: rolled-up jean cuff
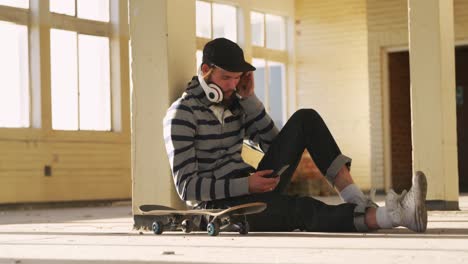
{"x": 336, "y": 166}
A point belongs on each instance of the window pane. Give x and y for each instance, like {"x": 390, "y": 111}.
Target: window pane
{"x": 224, "y": 21}
{"x": 259, "y": 79}
{"x": 93, "y": 10}
{"x": 14, "y": 74}
{"x": 258, "y": 29}
{"x": 199, "y": 55}
{"x": 66, "y": 7}
{"x": 275, "y": 32}
{"x": 203, "y": 23}
{"x": 94, "y": 79}
{"x": 15, "y": 3}
{"x": 276, "y": 76}
{"x": 64, "y": 79}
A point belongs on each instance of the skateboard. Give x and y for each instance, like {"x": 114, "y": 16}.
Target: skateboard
{"x": 231, "y": 219}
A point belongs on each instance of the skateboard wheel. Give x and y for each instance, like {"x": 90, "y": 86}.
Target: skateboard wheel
{"x": 187, "y": 226}
{"x": 157, "y": 227}
{"x": 213, "y": 228}
{"x": 244, "y": 228}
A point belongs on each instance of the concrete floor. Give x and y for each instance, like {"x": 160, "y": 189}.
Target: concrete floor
{"x": 105, "y": 235}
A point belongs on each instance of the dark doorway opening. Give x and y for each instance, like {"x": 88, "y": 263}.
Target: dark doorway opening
{"x": 461, "y": 70}
{"x": 400, "y": 118}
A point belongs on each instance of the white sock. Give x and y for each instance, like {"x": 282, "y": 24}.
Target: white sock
{"x": 383, "y": 218}
{"x": 352, "y": 194}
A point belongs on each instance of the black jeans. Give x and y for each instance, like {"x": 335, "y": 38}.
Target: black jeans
{"x": 304, "y": 130}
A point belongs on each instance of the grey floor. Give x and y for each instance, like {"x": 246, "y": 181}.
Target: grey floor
{"x": 105, "y": 235}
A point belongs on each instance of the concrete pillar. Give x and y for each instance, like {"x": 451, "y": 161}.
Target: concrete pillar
{"x": 162, "y": 43}
{"x": 431, "y": 35}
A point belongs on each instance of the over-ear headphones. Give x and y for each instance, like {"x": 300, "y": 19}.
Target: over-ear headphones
{"x": 212, "y": 91}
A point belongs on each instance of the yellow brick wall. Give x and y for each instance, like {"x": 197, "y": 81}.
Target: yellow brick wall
{"x": 388, "y": 31}
{"x": 332, "y": 74}
{"x": 80, "y": 170}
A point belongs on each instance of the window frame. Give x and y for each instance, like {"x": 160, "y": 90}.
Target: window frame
{"x": 39, "y": 21}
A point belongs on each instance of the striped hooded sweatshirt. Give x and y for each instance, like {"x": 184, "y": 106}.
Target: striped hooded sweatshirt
{"x": 204, "y": 143}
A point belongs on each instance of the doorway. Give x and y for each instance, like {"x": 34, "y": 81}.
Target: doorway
{"x": 400, "y": 118}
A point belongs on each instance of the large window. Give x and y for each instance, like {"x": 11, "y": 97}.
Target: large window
{"x": 14, "y": 91}
{"x": 14, "y": 65}
{"x": 65, "y": 49}
{"x": 270, "y": 59}
{"x": 80, "y": 66}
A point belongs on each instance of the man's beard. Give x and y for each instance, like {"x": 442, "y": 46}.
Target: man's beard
{"x": 229, "y": 101}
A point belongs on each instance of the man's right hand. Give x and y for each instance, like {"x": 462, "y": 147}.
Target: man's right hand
{"x": 259, "y": 184}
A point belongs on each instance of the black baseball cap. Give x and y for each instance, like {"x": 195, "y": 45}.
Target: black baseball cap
{"x": 226, "y": 55}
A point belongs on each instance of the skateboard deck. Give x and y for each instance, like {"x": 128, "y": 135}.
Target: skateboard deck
{"x": 230, "y": 219}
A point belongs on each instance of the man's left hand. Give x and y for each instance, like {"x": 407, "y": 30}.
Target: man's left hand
{"x": 245, "y": 87}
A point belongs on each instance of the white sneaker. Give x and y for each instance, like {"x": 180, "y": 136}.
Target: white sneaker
{"x": 409, "y": 208}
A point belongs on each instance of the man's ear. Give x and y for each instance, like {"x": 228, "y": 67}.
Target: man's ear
{"x": 205, "y": 68}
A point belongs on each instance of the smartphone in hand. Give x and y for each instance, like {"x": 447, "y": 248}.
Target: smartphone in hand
{"x": 278, "y": 172}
